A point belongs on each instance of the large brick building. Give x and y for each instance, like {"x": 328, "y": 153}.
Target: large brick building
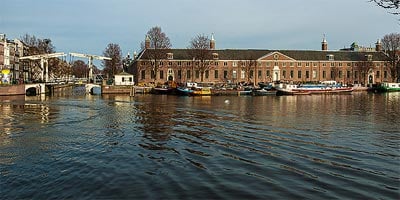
{"x": 10, "y": 52}
{"x": 351, "y": 66}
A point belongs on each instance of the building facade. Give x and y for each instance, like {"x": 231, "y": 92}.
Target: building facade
{"x": 239, "y": 66}
{"x": 11, "y": 70}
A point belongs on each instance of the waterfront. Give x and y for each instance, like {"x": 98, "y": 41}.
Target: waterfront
{"x": 167, "y": 147}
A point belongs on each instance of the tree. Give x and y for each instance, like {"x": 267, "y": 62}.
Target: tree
{"x": 391, "y": 45}
{"x": 114, "y": 66}
{"x": 200, "y": 51}
{"x": 37, "y": 45}
{"x": 79, "y": 69}
{"x": 158, "y": 44}
{"x": 391, "y": 5}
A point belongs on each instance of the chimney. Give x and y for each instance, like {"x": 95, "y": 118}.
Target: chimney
{"x": 324, "y": 44}
{"x": 212, "y": 42}
{"x": 147, "y": 42}
{"x": 378, "y": 45}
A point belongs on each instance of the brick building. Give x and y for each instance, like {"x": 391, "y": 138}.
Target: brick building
{"x": 10, "y": 52}
{"x": 354, "y": 66}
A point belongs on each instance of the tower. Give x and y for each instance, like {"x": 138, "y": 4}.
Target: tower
{"x": 324, "y": 44}
{"x": 212, "y": 42}
{"x": 378, "y": 45}
{"x": 147, "y": 42}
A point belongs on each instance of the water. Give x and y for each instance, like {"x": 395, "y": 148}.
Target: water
{"x": 166, "y": 147}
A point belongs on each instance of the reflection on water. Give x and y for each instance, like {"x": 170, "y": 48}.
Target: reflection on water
{"x": 156, "y": 146}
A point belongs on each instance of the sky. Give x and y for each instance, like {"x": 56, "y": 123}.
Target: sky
{"x": 88, "y": 26}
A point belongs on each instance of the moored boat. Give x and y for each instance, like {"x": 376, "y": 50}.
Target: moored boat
{"x": 327, "y": 87}
{"x": 201, "y": 91}
{"x": 385, "y": 87}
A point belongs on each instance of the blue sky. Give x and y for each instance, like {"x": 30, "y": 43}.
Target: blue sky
{"x": 87, "y": 26}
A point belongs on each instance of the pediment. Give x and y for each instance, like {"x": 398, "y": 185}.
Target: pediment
{"x": 276, "y": 55}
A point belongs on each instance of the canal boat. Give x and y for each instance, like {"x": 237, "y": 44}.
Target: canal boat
{"x": 201, "y": 91}
{"x": 385, "y": 87}
{"x": 326, "y": 87}
{"x": 264, "y": 92}
{"x": 184, "y": 91}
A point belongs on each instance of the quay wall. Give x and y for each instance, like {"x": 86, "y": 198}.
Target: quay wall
{"x": 6, "y": 90}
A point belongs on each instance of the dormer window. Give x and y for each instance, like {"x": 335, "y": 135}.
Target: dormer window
{"x": 369, "y": 57}
{"x": 215, "y": 56}
{"x": 170, "y": 56}
{"x": 330, "y": 57}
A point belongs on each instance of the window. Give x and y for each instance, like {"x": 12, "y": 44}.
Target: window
{"x": 216, "y": 63}
{"x": 284, "y": 64}
{"x": 291, "y": 64}
{"x": 340, "y": 74}
{"x": 170, "y": 56}
{"x": 268, "y": 64}
{"x": 307, "y": 64}
{"x": 340, "y": 64}
{"x": 323, "y": 64}
{"x": 169, "y": 63}
{"x": 225, "y": 74}
{"x": 332, "y": 74}
{"x": 314, "y": 74}
{"x": 207, "y": 73}
{"x": 123, "y": 79}
{"x": 242, "y": 74}
{"x": 298, "y": 74}
{"x": 284, "y": 73}
{"x": 291, "y": 73}
{"x": 348, "y": 74}
{"x": 188, "y": 74}
{"x": 324, "y": 74}
{"x": 188, "y": 63}
{"x": 332, "y": 64}
{"x": 378, "y": 73}
{"x": 179, "y": 74}
{"x": 143, "y": 74}
{"x": 315, "y": 64}
{"x": 215, "y": 56}
{"x": 153, "y": 74}
{"x": 268, "y": 73}
{"x": 330, "y": 57}
{"x": 197, "y": 74}
{"x": 259, "y": 73}
{"x": 369, "y": 57}
{"x": 234, "y": 74}
{"x": 179, "y": 63}
{"x": 251, "y": 73}
{"x": 307, "y": 74}
{"x": 355, "y": 74}
{"x": 299, "y": 64}
{"x": 225, "y": 63}
{"x": 234, "y": 64}
{"x": 130, "y": 79}
{"x": 216, "y": 74}
{"x": 161, "y": 74}
{"x": 161, "y": 63}
{"x": 385, "y": 74}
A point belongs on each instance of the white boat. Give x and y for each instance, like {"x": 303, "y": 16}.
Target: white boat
{"x": 326, "y": 87}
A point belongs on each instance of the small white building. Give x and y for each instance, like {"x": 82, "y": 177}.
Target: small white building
{"x": 123, "y": 78}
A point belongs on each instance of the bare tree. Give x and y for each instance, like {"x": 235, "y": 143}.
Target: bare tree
{"x": 79, "y": 69}
{"x": 391, "y": 5}
{"x": 199, "y": 50}
{"x": 391, "y": 45}
{"x": 158, "y": 44}
{"x": 37, "y": 45}
{"x": 114, "y": 66}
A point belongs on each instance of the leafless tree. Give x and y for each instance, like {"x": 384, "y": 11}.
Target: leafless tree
{"x": 391, "y": 45}
{"x": 79, "y": 69}
{"x": 37, "y": 45}
{"x": 391, "y": 5}
{"x": 199, "y": 50}
{"x": 159, "y": 44}
{"x": 114, "y": 66}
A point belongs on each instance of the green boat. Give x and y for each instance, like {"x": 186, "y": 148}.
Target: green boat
{"x": 386, "y": 87}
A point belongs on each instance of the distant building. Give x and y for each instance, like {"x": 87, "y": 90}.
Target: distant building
{"x": 234, "y": 65}
{"x": 123, "y": 78}
{"x": 10, "y": 52}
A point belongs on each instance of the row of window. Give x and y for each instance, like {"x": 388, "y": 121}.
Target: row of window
{"x": 269, "y": 64}
{"x": 333, "y": 74}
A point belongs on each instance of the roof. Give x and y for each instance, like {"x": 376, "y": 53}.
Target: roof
{"x": 123, "y": 74}
{"x": 255, "y": 54}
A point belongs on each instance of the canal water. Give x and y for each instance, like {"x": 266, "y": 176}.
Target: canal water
{"x": 75, "y": 146}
